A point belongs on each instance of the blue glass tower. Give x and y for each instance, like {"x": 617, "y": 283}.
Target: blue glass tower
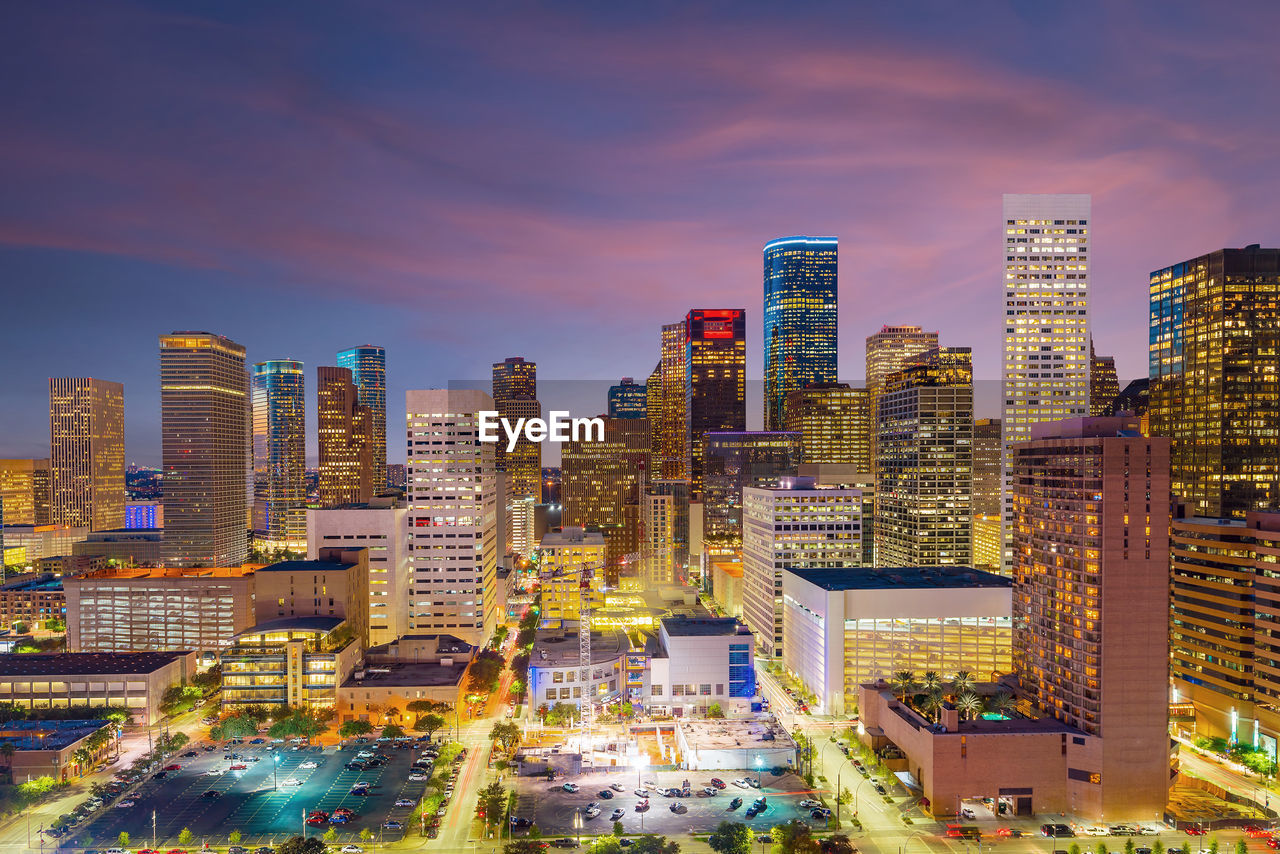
{"x": 368, "y": 366}
{"x": 799, "y": 319}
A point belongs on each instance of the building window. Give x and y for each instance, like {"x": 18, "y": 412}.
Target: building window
{"x": 656, "y": 691}
{"x": 705, "y": 689}
{"x": 677, "y": 690}
{"x": 551, "y": 693}
{"x": 557, "y": 677}
{"x": 564, "y": 693}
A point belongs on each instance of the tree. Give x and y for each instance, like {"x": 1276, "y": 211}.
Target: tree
{"x": 506, "y": 733}
{"x": 731, "y": 837}
{"x": 969, "y": 704}
{"x": 522, "y": 846}
{"x": 650, "y": 844}
{"x": 903, "y": 682}
{"x": 234, "y": 837}
{"x": 351, "y": 729}
{"x": 962, "y": 682}
{"x": 490, "y": 803}
{"x": 1213, "y": 845}
{"x": 1242, "y": 847}
{"x": 56, "y": 625}
{"x": 794, "y": 839}
{"x": 715, "y": 711}
{"x": 7, "y": 750}
{"x": 392, "y": 731}
{"x": 209, "y": 679}
{"x": 298, "y": 845}
{"x": 424, "y": 707}
{"x": 617, "y": 828}
{"x": 331, "y": 835}
{"x": 931, "y": 681}
{"x": 486, "y": 667}
{"x": 365, "y": 834}
{"x": 1157, "y": 847}
{"x": 607, "y": 845}
{"x": 185, "y": 837}
{"x": 123, "y": 839}
{"x": 1101, "y": 848}
{"x": 932, "y": 703}
{"x": 837, "y": 843}
{"x": 1003, "y": 703}
{"x": 429, "y": 724}
{"x": 1129, "y": 847}
{"x": 83, "y": 756}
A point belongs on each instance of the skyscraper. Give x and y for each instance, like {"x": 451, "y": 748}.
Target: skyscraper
{"x": 800, "y": 319}
{"x": 515, "y": 395}
{"x": 344, "y": 429}
{"x": 1091, "y": 602}
{"x": 600, "y": 486}
{"x": 889, "y": 351}
{"x": 204, "y": 428}
{"x": 675, "y": 413}
{"x": 1104, "y": 385}
{"x": 453, "y": 507}
{"x": 279, "y": 453}
{"x": 24, "y": 492}
{"x": 653, "y": 412}
{"x": 368, "y": 366}
{"x": 715, "y": 389}
{"x": 734, "y": 462}
{"x": 988, "y": 488}
{"x": 924, "y": 483}
{"x": 1215, "y": 378}
{"x": 834, "y": 422}
{"x": 628, "y": 400}
{"x": 86, "y": 453}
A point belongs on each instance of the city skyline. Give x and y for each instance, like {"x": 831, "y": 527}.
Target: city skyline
{"x": 913, "y": 219}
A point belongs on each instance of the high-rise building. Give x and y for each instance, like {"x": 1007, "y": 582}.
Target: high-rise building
{"x": 453, "y": 507}
{"x": 600, "y": 486}
{"x": 796, "y": 525}
{"x": 715, "y": 389}
{"x": 675, "y": 413}
{"x": 204, "y": 392}
{"x": 368, "y": 366}
{"x": 924, "y": 481}
{"x": 666, "y": 526}
{"x": 834, "y": 422}
{"x": 1135, "y": 398}
{"x": 734, "y": 462}
{"x": 800, "y": 319}
{"x": 277, "y": 390}
{"x": 564, "y": 556}
{"x": 86, "y": 453}
{"x": 845, "y": 476}
{"x": 1046, "y": 334}
{"x": 988, "y": 488}
{"x": 1215, "y": 378}
{"x": 653, "y": 411}
{"x": 1104, "y": 385}
{"x": 344, "y": 429}
{"x": 628, "y": 400}
{"x": 24, "y": 492}
{"x": 1091, "y": 603}
{"x": 887, "y": 352}
{"x": 515, "y": 396}
{"x": 395, "y": 475}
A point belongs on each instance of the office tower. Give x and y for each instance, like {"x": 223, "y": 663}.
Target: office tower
{"x": 1135, "y": 399}
{"x": 834, "y": 422}
{"x": 344, "y": 429}
{"x": 204, "y": 425}
{"x": 600, "y": 486}
{"x": 564, "y": 556}
{"x": 515, "y": 396}
{"x": 1046, "y": 334}
{"x": 735, "y": 461}
{"x": 380, "y": 525}
{"x": 628, "y": 400}
{"x": 277, "y": 390}
{"x": 1091, "y": 578}
{"x": 796, "y": 525}
{"x": 453, "y": 507}
{"x": 889, "y": 351}
{"x": 1104, "y": 385}
{"x": 715, "y": 389}
{"x": 24, "y": 492}
{"x": 395, "y": 475}
{"x": 988, "y": 487}
{"x": 523, "y": 511}
{"x": 86, "y": 453}
{"x": 800, "y": 319}
{"x": 368, "y": 366}
{"x": 845, "y": 476}
{"x": 924, "y": 483}
{"x": 657, "y": 540}
{"x": 653, "y": 411}
{"x": 674, "y": 506}
{"x": 1215, "y": 378}
{"x": 675, "y": 413}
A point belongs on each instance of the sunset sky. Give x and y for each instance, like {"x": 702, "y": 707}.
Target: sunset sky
{"x": 464, "y": 182}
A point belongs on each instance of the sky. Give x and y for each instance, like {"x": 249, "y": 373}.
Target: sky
{"x": 465, "y": 182}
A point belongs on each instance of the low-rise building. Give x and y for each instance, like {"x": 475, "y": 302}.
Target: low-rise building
{"x": 394, "y": 675}
{"x": 132, "y": 680}
{"x": 39, "y": 541}
{"x": 73, "y": 564}
{"x": 714, "y": 745}
{"x": 698, "y": 662}
{"x": 335, "y": 584}
{"x": 48, "y": 748}
{"x": 844, "y": 627}
{"x": 554, "y": 669}
{"x": 726, "y": 586}
{"x": 130, "y": 547}
{"x": 294, "y": 661}
{"x": 564, "y": 556}
{"x": 33, "y": 599}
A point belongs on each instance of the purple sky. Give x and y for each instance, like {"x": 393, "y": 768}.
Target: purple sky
{"x": 464, "y": 182}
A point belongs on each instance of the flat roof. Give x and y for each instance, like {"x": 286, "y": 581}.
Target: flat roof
{"x": 47, "y": 735}
{"x": 42, "y": 581}
{"x": 85, "y": 663}
{"x": 307, "y": 566}
{"x": 559, "y": 648}
{"x": 409, "y": 675}
{"x": 725, "y": 734}
{"x": 142, "y": 573}
{"x": 307, "y": 623}
{"x": 571, "y": 536}
{"x": 899, "y": 578}
{"x": 700, "y": 626}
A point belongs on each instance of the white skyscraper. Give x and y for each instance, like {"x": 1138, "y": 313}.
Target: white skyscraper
{"x": 1046, "y": 333}
{"x": 453, "y": 507}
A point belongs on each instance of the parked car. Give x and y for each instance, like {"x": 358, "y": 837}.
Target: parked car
{"x": 617, "y": 814}
{"x": 617, "y": 787}
{"x": 819, "y": 812}
{"x": 392, "y": 824}
{"x": 605, "y": 794}
{"x": 404, "y": 802}
{"x": 565, "y": 842}
{"x": 735, "y": 803}
{"x": 309, "y": 764}
{"x": 570, "y": 787}
{"x": 643, "y": 806}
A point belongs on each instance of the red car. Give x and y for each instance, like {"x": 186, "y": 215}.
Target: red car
{"x": 1272, "y": 842}
{"x": 717, "y": 782}
{"x": 174, "y": 767}
{"x": 1194, "y": 831}
{"x": 239, "y": 766}
{"x": 1255, "y": 832}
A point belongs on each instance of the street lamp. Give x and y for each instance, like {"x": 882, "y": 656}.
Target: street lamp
{"x": 275, "y": 765}
{"x": 759, "y": 772}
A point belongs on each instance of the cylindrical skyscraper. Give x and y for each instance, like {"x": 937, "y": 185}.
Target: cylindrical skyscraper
{"x": 799, "y": 319}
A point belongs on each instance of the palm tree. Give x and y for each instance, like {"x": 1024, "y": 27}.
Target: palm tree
{"x": 969, "y": 704}
{"x": 904, "y": 682}
{"x": 931, "y": 681}
{"x": 962, "y": 682}
{"x": 1003, "y": 703}
{"x": 932, "y": 703}
{"x": 7, "y": 750}
{"x": 83, "y": 757}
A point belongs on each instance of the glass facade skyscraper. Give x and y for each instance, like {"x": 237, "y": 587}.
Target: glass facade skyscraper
{"x": 368, "y": 366}
{"x": 715, "y": 387}
{"x": 800, "y": 319}
{"x": 279, "y": 453}
{"x": 628, "y": 399}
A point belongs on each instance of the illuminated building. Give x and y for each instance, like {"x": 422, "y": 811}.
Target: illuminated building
{"x": 846, "y": 626}
{"x": 41, "y": 541}
{"x": 653, "y": 411}
{"x": 845, "y": 476}
{"x": 715, "y": 382}
{"x": 24, "y": 492}
{"x": 988, "y": 488}
{"x": 1091, "y": 576}
{"x": 395, "y": 475}
{"x": 279, "y": 454}
{"x": 800, "y": 320}
{"x": 137, "y": 547}
{"x": 204, "y": 391}
{"x": 333, "y": 584}
{"x": 515, "y": 395}
{"x": 1215, "y": 378}
{"x": 924, "y": 481}
{"x": 600, "y": 486}
{"x": 795, "y": 526}
{"x": 523, "y": 513}
{"x": 344, "y": 430}
{"x": 1136, "y": 399}
{"x": 1046, "y": 333}
{"x": 143, "y": 515}
{"x": 86, "y": 453}
{"x": 136, "y": 681}
{"x": 675, "y": 413}
{"x": 368, "y": 366}
{"x": 34, "y": 599}
{"x": 628, "y": 400}
{"x": 834, "y": 422}
{"x": 887, "y": 352}
{"x": 380, "y": 525}
{"x": 735, "y": 461}
{"x": 563, "y": 555}
{"x": 664, "y": 531}
{"x": 726, "y": 586}
{"x": 453, "y": 507}
{"x": 1104, "y": 386}
{"x": 988, "y": 540}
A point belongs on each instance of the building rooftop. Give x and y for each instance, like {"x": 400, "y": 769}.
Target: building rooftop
{"x": 901, "y": 578}
{"x": 721, "y": 734}
{"x": 47, "y": 735}
{"x": 84, "y": 663}
{"x": 37, "y": 582}
{"x": 559, "y": 647}
{"x": 571, "y": 537}
{"x": 408, "y": 675}
{"x": 702, "y": 626}
{"x": 307, "y": 623}
{"x": 117, "y": 573}
{"x": 307, "y": 566}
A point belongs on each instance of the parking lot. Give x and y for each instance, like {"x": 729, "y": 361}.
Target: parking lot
{"x": 552, "y": 808}
{"x": 268, "y": 798}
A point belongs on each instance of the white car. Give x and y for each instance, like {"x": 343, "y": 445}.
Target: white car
{"x": 1097, "y": 830}
{"x": 365, "y": 754}
{"x": 292, "y": 781}
{"x": 617, "y": 787}
{"x": 213, "y": 772}
{"x": 352, "y": 849}
{"x": 809, "y": 803}
{"x": 592, "y": 812}
{"x": 117, "y": 851}
{"x": 404, "y": 802}
{"x": 417, "y": 778}
{"x": 741, "y": 783}
{"x": 124, "y": 805}
{"x": 308, "y": 765}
